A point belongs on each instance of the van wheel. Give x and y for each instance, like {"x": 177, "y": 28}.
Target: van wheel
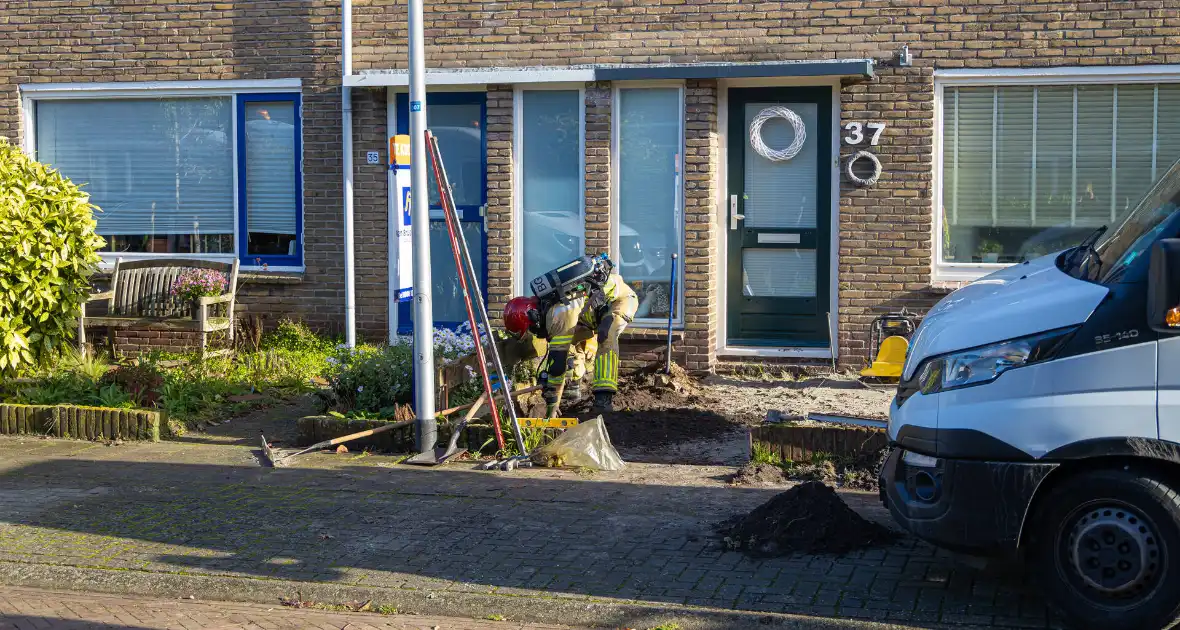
{"x": 1107, "y": 549}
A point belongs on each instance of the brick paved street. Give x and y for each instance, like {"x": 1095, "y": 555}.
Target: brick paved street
{"x": 29, "y": 609}
{"x": 174, "y": 519}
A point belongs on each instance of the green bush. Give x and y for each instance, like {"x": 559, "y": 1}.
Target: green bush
{"x": 369, "y": 378}
{"x": 296, "y": 337}
{"x": 48, "y": 250}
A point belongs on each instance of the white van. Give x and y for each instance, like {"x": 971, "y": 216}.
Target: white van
{"x": 1038, "y": 416}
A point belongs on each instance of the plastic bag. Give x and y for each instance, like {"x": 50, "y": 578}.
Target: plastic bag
{"x": 584, "y": 446}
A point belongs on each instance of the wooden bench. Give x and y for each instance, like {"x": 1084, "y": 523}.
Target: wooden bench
{"x": 140, "y": 297}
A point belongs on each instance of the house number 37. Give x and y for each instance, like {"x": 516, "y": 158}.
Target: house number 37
{"x": 856, "y": 132}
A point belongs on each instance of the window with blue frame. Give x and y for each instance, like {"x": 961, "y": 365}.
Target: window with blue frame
{"x": 203, "y": 175}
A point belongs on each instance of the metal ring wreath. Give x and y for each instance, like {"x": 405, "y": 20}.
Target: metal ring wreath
{"x": 863, "y": 181}
{"x": 777, "y": 155}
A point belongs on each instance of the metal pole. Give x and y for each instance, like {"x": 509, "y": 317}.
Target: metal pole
{"x": 426, "y": 429}
{"x": 671, "y": 312}
{"x": 482, "y": 309}
{"x": 346, "y": 132}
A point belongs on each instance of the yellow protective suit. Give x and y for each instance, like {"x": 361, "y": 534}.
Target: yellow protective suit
{"x": 587, "y": 327}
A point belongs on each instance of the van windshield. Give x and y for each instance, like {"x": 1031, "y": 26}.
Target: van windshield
{"x": 1123, "y": 245}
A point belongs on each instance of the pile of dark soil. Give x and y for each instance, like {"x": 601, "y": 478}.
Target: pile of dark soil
{"x": 653, "y": 409}
{"x": 824, "y": 472}
{"x": 758, "y": 474}
{"x": 809, "y": 518}
{"x": 659, "y": 427}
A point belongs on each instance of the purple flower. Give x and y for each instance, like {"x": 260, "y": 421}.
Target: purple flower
{"x": 195, "y": 283}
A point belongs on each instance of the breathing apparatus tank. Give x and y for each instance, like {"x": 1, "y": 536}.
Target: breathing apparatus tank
{"x": 572, "y": 280}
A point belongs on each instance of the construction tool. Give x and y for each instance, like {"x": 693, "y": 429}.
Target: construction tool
{"x": 452, "y": 231}
{"x": 671, "y": 312}
{"x": 446, "y": 195}
{"x": 441, "y": 455}
{"x": 889, "y": 335}
{"x": 548, "y": 423}
{"x": 276, "y": 460}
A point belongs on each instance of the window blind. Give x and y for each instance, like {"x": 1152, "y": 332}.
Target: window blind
{"x": 1044, "y": 156}
{"x": 271, "y": 165}
{"x": 649, "y": 216}
{"x": 551, "y": 180}
{"x": 157, "y": 167}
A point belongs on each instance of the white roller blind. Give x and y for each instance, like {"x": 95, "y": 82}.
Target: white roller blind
{"x": 270, "y": 167}
{"x": 1054, "y": 156}
{"x": 782, "y": 194}
{"x": 158, "y": 166}
{"x": 551, "y": 180}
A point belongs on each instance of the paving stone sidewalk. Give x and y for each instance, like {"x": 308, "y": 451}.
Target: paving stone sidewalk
{"x": 35, "y": 609}
{"x": 610, "y": 549}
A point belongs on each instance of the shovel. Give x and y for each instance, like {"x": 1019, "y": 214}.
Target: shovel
{"x": 441, "y": 455}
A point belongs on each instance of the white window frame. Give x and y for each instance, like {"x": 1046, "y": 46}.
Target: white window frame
{"x": 519, "y": 282}
{"x": 616, "y": 210}
{"x": 944, "y": 272}
{"x": 31, "y": 94}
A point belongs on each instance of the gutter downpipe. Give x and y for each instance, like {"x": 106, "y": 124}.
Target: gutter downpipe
{"x": 346, "y": 132}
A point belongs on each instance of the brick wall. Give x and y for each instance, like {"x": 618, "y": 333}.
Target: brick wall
{"x": 884, "y": 231}
{"x": 951, "y": 33}
{"x": 125, "y": 40}
{"x": 499, "y": 212}
{"x": 701, "y": 157}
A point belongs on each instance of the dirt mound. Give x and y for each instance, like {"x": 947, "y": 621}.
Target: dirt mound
{"x": 655, "y": 428}
{"x": 809, "y": 518}
{"x": 758, "y": 474}
{"x": 824, "y": 472}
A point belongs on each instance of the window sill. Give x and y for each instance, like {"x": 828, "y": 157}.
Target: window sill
{"x": 948, "y": 286}
{"x": 269, "y": 277}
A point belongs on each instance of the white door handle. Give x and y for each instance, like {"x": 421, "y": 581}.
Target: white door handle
{"x": 734, "y": 217}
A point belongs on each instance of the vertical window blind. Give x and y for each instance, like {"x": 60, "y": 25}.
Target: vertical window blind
{"x": 551, "y": 180}
{"x": 1027, "y": 170}
{"x": 649, "y": 196}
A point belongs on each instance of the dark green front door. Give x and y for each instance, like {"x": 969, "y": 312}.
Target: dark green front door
{"x": 779, "y": 221}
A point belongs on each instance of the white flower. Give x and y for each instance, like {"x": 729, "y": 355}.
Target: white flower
{"x": 360, "y": 388}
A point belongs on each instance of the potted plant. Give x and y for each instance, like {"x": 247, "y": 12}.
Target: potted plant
{"x": 193, "y": 284}
{"x": 989, "y": 251}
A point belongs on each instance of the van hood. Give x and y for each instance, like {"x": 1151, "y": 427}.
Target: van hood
{"x": 1024, "y": 299}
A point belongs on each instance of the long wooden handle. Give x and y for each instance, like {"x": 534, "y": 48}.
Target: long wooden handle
{"x": 356, "y": 436}
{"x": 517, "y": 392}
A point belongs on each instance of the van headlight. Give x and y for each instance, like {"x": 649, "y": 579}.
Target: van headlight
{"x": 985, "y": 364}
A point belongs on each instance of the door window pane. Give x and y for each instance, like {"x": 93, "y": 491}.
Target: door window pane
{"x": 271, "y": 165}
{"x": 551, "y": 180}
{"x": 1030, "y": 170}
{"x": 460, "y": 140}
{"x": 448, "y": 294}
{"x": 778, "y": 272}
{"x": 649, "y": 194}
{"x": 782, "y": 194}
{"x": 161, "y": 170}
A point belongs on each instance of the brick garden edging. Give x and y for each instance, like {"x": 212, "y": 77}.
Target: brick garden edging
{"x": 313, "y": 429}
{"x": 798, "y": 443}
{"x": 84, "y": 423}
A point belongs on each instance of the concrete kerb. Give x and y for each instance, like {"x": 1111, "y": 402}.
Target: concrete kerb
{"x": 595, "y": 612}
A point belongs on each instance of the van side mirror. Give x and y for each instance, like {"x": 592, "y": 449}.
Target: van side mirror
{"x": 1163, "y": 286}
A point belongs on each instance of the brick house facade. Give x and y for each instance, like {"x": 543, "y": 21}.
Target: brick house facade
{"x": 902, "y": 242}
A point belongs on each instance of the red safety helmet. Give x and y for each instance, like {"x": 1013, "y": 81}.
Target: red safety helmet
{"x": 520, "y": 313}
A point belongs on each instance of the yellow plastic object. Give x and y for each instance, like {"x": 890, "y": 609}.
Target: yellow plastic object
{"x": 548, "y": 423}
{"x": 890, "y": 358}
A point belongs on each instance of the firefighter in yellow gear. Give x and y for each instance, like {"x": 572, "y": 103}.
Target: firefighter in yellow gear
{"x": 579, "y": 324}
